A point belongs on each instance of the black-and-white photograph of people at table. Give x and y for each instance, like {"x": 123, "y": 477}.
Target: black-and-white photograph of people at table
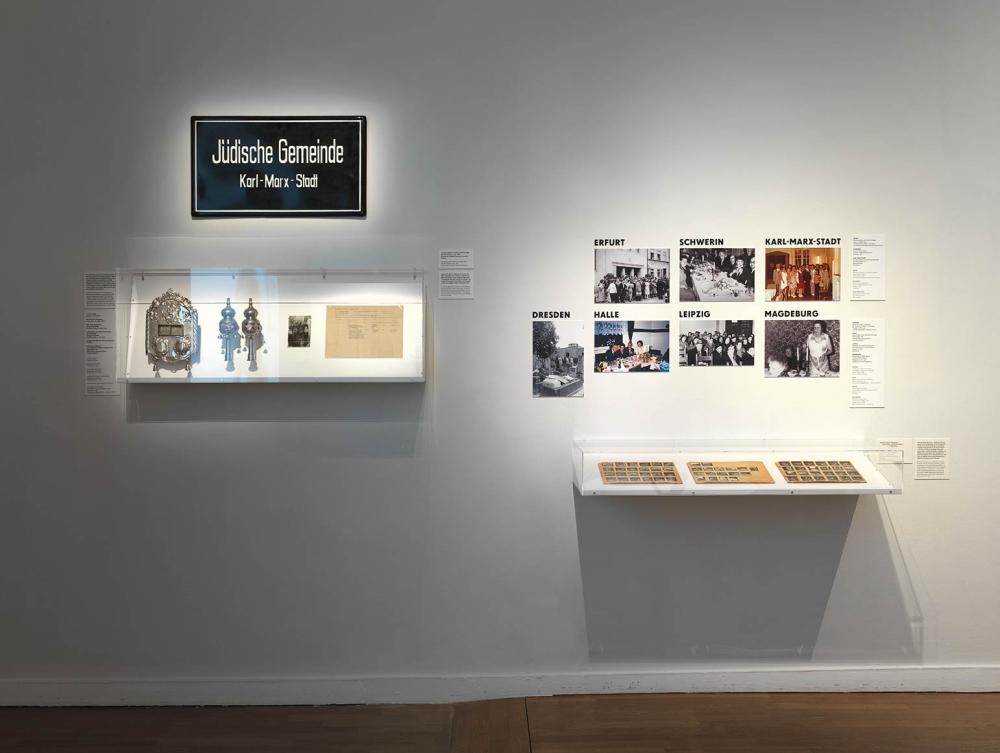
{"x": 631, "y": 275}
{"x": 716, "y": 342}
{"x": 806, "y": 348}
{"x": 717, "y": 274}
{"x": 557, "y": 355}
{"x": 808, "y": 273}
{"x": 621, "y": 347}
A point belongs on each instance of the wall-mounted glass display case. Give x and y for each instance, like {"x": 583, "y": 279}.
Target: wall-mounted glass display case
{"x": 184, "y": 326}
{"x": 714, "y": 467}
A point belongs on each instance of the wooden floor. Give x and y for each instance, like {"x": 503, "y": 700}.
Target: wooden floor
{"x": 702, "y": 723}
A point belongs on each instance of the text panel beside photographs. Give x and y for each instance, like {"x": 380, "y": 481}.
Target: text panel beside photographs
{"x": 802, "y": 273}
{"x": 715, "y": 342}
{"x": 717, "y": 274}
{"x": 631, "y": 275}
{"x": 809, "y": 348}
{"x": 557, "y": 357}
{"x": 621, "y": 347}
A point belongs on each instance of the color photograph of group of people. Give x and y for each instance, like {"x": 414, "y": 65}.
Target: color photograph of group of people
{"x": 712, "y": 342}
{"x": 717, "y": 274}
{"x": 621, "y": 347}
{"x": 631, "y": 275}
{"x": 803, "y": 274}
{"x": 802, "y": 348}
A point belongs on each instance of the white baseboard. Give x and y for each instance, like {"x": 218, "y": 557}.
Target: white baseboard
{"x": 321, "y": 690}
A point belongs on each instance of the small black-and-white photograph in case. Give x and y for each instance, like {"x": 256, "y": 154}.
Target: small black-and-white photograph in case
{"x": 621, "y": 347}
{"x": 802, "y": 348}
{"x": 717, "y": 342}
{"x": 557, "y": 356}
{"x": 631, "y": 275}
{"x": 717, "y": 274}
{"x": 299, "y": 331}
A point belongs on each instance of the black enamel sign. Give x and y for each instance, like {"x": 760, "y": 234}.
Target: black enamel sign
{"x": 278, "y": 167}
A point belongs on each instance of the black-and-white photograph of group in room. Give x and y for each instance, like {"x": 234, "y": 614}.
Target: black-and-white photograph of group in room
{"x": 802, "y": 348}
{"x": 716, "y": 342}
{"x": 631, "y": 275}
{"x": 717, "y": 274}
{"x": 557, "y": 355}
{"x": 808, "y": 273}
{"x": 299, "y": 331}
{"x": 621, "y": 347}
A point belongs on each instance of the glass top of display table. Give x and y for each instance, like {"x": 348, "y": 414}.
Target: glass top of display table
{"x": 732, "y": 467}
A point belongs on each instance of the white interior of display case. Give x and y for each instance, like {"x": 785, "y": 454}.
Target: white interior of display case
{"x": 277, "y": 295}
{"x": 880, "y": 477}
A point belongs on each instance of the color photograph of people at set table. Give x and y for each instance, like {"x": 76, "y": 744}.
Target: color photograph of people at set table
{"x": 622, "y": 347}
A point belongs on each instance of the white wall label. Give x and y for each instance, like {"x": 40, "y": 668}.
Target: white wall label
{"x": 455, "y": 284}
{"x": 868, "y": 268}
{"x": 456, "y": 258}
{"x": 100, "y": 289}
{"x": 100, "y": 333}
{"x": 931, "y": 459}
{"x": 895, "y": 449}
{"x": 868, "y": 363}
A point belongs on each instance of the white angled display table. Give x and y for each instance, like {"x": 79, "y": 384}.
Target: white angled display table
{"x": 588, "y": 454}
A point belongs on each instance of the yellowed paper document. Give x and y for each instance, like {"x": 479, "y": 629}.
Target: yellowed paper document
{"x": 364, "y": 331}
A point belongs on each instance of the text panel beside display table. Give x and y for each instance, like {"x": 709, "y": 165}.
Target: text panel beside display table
{"x": 655, "y": 467}
{"x": 269, "y": 325}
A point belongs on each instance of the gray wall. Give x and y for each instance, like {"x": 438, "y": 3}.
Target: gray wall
{"x": 431, "y": 531}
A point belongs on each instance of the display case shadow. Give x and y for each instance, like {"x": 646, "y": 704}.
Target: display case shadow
{"x": 748, "y": 580}
{"x": 380, "y": 418}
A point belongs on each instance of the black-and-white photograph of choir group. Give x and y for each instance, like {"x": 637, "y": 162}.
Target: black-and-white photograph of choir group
{"x": 717, "y": 274}
{"x": 557, "y": 357}
{"x": 631, "y": 275}
{"x": 716, "y": 342}
{"x": 802, "y": 348}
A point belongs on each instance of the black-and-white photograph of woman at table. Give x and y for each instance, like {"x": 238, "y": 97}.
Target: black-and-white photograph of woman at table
{"x": 716, "y": 342}
{"x": 631, "y": 275}
{"x": 717, "y": 274}
{"x": 809, "y": 348}
{"x": 623, "y": 347}
{"x": 557, "y": 356}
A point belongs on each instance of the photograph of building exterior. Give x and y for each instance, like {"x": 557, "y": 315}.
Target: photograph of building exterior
{"x": 631, "y": 275}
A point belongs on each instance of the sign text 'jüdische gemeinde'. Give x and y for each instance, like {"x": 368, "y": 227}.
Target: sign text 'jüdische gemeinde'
{"x": 278, "y": 167}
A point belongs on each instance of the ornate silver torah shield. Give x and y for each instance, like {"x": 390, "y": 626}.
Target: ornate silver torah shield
{"x": 253, "y": 334}
{"x": 172, "y": 331}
